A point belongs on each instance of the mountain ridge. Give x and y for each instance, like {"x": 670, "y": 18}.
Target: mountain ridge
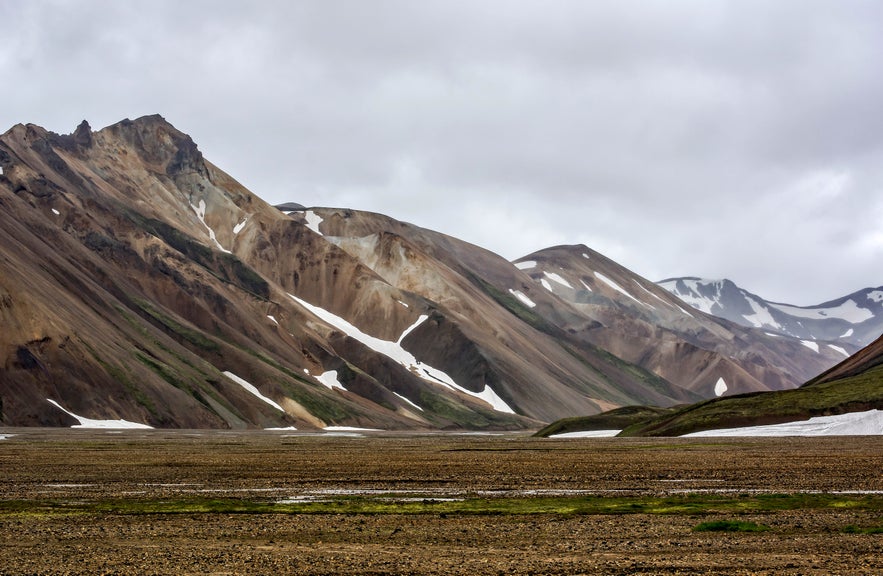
{"x": 855, "y": 319}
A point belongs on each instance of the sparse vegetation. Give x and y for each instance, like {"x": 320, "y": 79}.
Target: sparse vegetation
{"x": 730, "y": 526}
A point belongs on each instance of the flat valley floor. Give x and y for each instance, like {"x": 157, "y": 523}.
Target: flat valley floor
{"x": 197, "y": 502}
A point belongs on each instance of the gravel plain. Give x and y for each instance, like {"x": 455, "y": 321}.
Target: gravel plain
{"x": 54, "y": 483}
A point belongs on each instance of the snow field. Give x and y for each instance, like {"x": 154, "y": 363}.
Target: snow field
{"x": 852, "y": 424}
{"x": 107, "y": 424}
{"x": 397, "y": 353}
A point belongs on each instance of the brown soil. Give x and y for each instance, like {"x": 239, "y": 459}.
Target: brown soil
{"x": 82, "y": 466}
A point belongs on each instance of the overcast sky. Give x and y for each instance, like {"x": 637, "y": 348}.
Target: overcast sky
{"x": 718, "y": 139}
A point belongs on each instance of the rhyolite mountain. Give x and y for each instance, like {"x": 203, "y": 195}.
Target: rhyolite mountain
{"x": 138, "y": 281}
{"x": 855, "y": 319}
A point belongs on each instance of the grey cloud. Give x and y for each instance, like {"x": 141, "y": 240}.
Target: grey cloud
{"x": 679, "y": 138}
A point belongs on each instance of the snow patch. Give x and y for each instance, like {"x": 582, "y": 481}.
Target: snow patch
{"x": 524, "y": 299}
{"x": 276, "y": 322}
{"x": 868, "y": 423}
{"x": 526, "y": 265}
{"x": 56, "y": 212}
{"x": 252, "y": 390}
{"x": 238, "y": 228}
{"x": 557, "y": 278}
{"x": 5, "y": 436}
{"x": 586, "y": 286}
{"x": 588, "y": 434}
{"x": 848, "y": 310}
{"x": 876, "y": 296}
{"x": 403, "y": 303}
{"x": 847, "y": 334}
{"x": 761, "y": 316}
{"x": 546, "y": 285}
{"x": 330, "y": 381}
{"x": 720, "y": 387}
{"x": 838, "y": 349}
{"x": 90, "y": 423}
{"x": 200, "y": 213}
{"x": 394, "y": 351}
{"x": 814, "y": 346}
{"x": 313, "y": 221}
{"x": 616, "y": 287}
{"x": 586, "y": 256}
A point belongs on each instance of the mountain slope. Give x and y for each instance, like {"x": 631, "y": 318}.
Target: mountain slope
{"x": 855, "y": 385}
{"x": 140, "y": 282}
{"x": 619, "y": 311}
{"x": 846, "y": 323}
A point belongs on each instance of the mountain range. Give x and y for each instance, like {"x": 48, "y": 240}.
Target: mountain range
{"x": 856, "y": 319}
{"x": 141, "y": 283}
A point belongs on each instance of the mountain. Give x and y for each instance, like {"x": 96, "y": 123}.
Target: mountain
{"x": 141, "y": 283}
{"x": 854, "y": 320}
{"x": 619, "y": 311}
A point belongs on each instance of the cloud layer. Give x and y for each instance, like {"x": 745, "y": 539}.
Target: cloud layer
{"x": 740, "y": 139}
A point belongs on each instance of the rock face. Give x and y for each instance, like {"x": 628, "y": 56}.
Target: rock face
{"x": 140, "y": 282}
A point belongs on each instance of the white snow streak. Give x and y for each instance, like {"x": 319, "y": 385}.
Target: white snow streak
{"x": 847, "y": 334}
{"x": 557, "y": 278}
{"x": 252, "y": 390}
{"x": 200, "y": 213}
{"x": 412, "y": 327}
{"x": 238, "y": 228}
{"x": 720, "y": 387}
{"x": 56, "y": 212}
{"x": 408, "y": 401}
{"x": 329, "y": 379}
{"x": 90, "y": 423}
{"x": 403, "y": 303}
{"x": 616, "y": 287}
{"x": 814, "y": 346}
{"x": 876, "y": 296}
{"x": 394, "y": 351}
{"x": 852, "y": 424}
{"x": 276, "y": 322}
{"x": 586, "y": 286}
{"x": 523, "y": 297}
{"x": 586, "y": 256}
{"x": 526, "y": 265}
{"x": 313, "y": 221}
{"x": 838, "y": 349}
{"x": 546, "y": 285}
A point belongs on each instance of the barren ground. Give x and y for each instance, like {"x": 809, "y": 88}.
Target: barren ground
{"x": 164, "y": 502}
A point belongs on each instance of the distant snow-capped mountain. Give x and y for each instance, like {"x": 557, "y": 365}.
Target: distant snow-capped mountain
{"x": 855, "y": 319}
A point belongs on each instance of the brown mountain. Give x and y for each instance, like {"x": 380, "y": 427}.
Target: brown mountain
{"x": 140, "y": 282}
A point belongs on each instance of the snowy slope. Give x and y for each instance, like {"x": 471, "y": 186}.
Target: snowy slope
{"x": 853, "y": 320}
